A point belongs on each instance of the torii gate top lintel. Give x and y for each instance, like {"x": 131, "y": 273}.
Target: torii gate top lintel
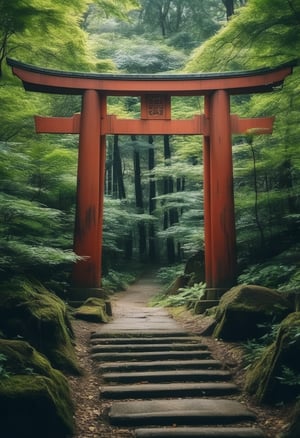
{"x": 216, "y": 125}
{"x": 63, "y": 82}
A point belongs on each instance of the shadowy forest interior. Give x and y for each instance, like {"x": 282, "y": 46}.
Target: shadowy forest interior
{"x": 153, "y": 206}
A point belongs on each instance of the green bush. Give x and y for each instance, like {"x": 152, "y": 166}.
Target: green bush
{"x": 167, "y": 274}
{"x": 186, "y": 296}
{"x": 117, "y": 281}
{"x": 268, "y": 275}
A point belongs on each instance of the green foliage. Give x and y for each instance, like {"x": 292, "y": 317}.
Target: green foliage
{"x": 167, "y": 274}
{"x": 268, "y": 275}
{"x": 38, "y": 174}
{"x": 116, "y": 281}
{"x": 289, "y": 377}
{"x": 187, "y": 296}
{"x": 139, "y": 57}
{"x": 4, "y": 374}
{"x": 253, "y": 349}
{"x": 31, "y": 231}
{"x": 31, "y": 32}
{"x": 266, "y": 168}
{"x": 171, "y": 19}
{"x": 105, "y": 8}
{"x": 264, "y": 32}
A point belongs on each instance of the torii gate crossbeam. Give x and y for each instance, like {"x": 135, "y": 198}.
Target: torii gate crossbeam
{"x": 216, "y": 125}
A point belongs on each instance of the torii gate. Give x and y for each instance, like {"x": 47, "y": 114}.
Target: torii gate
{"x": 93, "y": 124}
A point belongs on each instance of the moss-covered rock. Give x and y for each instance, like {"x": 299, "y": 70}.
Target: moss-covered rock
{"x": 244, "y": 310}
{"x": 30, "y": 311}
{"x": 93, "y": 310}
{"x": 35, "y": 400}
{"x": 265, "y": 379}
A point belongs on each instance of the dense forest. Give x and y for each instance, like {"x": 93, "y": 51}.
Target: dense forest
{"x": 153, "y": 185}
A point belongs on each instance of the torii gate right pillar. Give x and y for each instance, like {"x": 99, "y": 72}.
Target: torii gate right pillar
{"x": 220, "y": 239}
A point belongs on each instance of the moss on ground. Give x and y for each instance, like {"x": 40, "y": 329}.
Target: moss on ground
{"x": 29, "y": 311}
{"x": 265, "y": 378}
{"x": 93, "y": 310}
{"x": 245, "y": 311}
{"x": 35, "y": 399}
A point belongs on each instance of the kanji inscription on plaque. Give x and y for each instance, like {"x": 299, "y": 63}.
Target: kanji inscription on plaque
{"x": 156, "y": 106}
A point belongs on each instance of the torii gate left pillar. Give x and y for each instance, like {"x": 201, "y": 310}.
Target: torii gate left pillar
{"x": 90, "y": 183}
{"x": 216, "y": 125}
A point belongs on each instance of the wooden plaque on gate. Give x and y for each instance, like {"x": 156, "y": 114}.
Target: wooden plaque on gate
{"x": 156, "y": 106}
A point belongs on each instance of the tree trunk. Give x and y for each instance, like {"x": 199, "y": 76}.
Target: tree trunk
{"x": 168, "y": 215}
{"x": 118, "y": 183}
{"x": 152, "y": 202}
{"x": 139, "y": 201}
{"x": 128, "y": 246}
{"x": 229, "y": 5}
{"x": 163, "y": 16}
{"x": 109, "y": 168}
{"x": 257, "y": 220}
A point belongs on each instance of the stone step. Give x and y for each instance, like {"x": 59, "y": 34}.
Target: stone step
{"x": 167, "y": 376}
{"x": 108, "y": 332}
{"x": 158, "y": 390}
{"x": 144, "y": 340}
{"x": 200, "y": 432}
{"x": 160, "y": 365}
{"x": 190, "y": 412}
{"x": 147, "y": 347}
{"x": 131, "y": 326}
{"x": 151, "y": 355}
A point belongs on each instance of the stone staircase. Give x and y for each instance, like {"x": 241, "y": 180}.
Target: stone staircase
{"x": 164, "y": 383}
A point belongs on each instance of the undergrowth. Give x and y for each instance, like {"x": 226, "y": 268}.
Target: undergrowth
{"x": 186, "y": 296}
{"x": 3, "y": 371}
{"x": 167, "y": 274}
{"x": 254, "y": 348}
{"x": 116, "y": 281}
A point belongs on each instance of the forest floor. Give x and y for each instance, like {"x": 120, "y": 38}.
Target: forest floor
{"x": 91, "y": 410}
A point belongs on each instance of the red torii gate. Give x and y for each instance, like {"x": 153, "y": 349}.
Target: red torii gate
{"x": 93, "y": 124}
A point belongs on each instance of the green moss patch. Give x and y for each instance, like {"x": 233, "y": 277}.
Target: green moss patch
{"x": 30, "y": 311}
{"x": 244, "y": 310}
{"x": 35, "y": 399}
{"x": 93, "y": 310}
{"x": 267, "y": 379}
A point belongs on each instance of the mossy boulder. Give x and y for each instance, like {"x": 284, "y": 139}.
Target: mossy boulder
{"x": 93, "y": 310}
{"x": 245, "y": 310}
{"x": 31, "y": 312}
{"x": 35, "y": 399}
{"x": 268, "y": 379}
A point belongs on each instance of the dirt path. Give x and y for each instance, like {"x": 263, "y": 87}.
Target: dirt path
{"x": 91, "y": 410}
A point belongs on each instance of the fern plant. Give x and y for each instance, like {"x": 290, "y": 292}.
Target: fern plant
{"x": 186, "y": 296}
{"x": 289, "y": 377}
{"x": 4, "y": 374}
